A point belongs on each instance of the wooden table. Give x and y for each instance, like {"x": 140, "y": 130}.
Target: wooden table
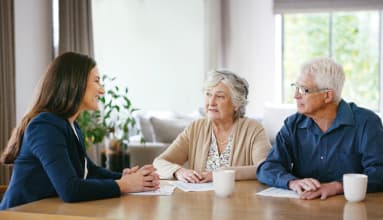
{"x": 243, "y": 204}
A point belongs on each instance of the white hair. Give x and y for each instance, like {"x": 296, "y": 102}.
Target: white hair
{"x": 238, "y": 87}
{"x": 327, "y": 74}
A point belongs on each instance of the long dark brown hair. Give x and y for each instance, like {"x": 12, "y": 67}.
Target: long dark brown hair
{"x": 61, "y": 91}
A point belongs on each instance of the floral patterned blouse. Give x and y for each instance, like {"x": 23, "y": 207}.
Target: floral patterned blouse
{"x": 214, "y": 160}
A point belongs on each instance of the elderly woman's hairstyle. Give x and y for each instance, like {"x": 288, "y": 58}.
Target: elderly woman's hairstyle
{"x": 327, "y": 74}
{"x": 238, "y": 87}
{"x": 61, "y": 91}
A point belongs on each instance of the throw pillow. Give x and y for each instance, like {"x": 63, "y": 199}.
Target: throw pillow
{"x": 145, "y": 128}
{"x": 167, "y": 130}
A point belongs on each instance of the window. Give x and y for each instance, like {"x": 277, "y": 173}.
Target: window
{"x": 350, "y": 38}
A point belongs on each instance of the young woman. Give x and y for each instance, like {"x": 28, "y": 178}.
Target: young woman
{"x": 47, "y": 150}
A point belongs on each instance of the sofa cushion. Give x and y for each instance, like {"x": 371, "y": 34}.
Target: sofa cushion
{"x": 273, "y": 117}
{"x": 145, "y": 128}
{"x": 167, "y": 130}
{"x": 144, "y": 124}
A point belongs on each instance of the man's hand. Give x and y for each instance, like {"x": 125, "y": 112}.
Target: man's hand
{"x": 310, "y": 188}
{"x": 304, "y": 185}
{"x": 326, "y": 190}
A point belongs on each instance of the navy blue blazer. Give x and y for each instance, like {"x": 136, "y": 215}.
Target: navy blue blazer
{"x": 51, "y": 163}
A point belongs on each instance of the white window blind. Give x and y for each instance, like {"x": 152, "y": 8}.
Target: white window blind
{"x": 304, "y": 6}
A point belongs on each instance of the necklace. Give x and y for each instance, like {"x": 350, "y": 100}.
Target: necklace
{"x": 224, "y": 142}
{"x": 223, "y": 137}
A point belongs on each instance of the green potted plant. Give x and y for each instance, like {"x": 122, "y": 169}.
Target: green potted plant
{"x": 111, "y": 125}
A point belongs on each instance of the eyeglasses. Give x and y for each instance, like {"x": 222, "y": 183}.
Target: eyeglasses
{"x": 304, "y": 91}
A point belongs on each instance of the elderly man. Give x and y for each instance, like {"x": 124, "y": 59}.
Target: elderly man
{"x": 325, "y": 139}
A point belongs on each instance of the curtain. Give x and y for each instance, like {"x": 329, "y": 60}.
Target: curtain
{"x": 75, "y": 26}
{"x": 303, "y": 6}
{"x": 7, "y": 82}
{"x": 213, "y": 35}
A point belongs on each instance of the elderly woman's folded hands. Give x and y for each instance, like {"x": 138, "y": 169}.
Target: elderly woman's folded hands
{"x": 192, "y": 176}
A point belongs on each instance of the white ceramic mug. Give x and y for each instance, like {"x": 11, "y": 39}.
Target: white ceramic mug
{"x": 224, "y": 182}
{"x": 355, "y": 186}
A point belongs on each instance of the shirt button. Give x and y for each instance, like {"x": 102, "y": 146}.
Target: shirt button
{"x": 321, "y": 157}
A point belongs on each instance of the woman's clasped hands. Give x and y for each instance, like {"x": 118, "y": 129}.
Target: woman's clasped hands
{"x": 138, "y": 179}
{"x": 192, "y": 176}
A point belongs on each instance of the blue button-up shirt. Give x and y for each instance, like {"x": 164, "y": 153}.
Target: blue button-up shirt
{"x": 352, "y": 144}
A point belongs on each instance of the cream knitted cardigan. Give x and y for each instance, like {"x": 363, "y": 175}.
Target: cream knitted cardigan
{"x": 250, "y": 148}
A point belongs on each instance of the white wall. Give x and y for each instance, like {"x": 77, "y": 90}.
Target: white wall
{"x": 161, "y": 57}
{"x": 249, "y": 50}
{"x": 33, "y": 50}
{"x": 164, "y": 57}
{"x": 163, "y": 61}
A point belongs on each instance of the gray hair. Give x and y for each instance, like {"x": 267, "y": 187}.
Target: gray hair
{"x": 238, "y": 87}
{"x": 327, "y": 74}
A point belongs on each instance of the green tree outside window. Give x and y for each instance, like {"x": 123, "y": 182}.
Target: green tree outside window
{"x": 350, "y": 38}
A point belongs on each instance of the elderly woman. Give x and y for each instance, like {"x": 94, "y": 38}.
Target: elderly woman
{"x": 224, "y": 139}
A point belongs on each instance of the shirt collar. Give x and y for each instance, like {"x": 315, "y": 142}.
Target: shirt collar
{"x": 344, "y": 116}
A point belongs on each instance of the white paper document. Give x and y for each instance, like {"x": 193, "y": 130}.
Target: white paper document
{"x": 278, "y": 192}
{"x": 190, "y": 187}
{"x": 164, "y": 190}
